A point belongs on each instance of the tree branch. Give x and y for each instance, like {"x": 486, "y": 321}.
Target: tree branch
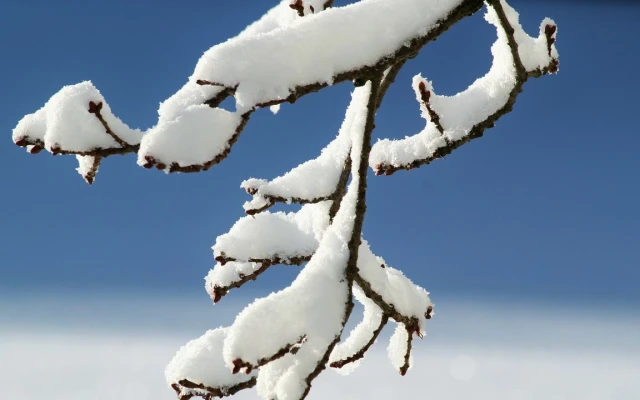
{"x": 387, "y": 309}
{"x": 360, "y": 353}
{"x": 210, "y": 392}
{"x": 356, "y": 233}
{"x": 89, "y": 175}
{"x": 389, "y": 78}
{"x": 150, "y": 162}
{"x": 409, "y": 50}
{"x": 336, "y": 196}
{"x": 434, "y": 117}
{"x": 217, "y": 292}
{"x": 476, "y": 131}
{"x": 407, "y": 355}
{"x": 292, "y": 348}
{"x": 96, "y": 109}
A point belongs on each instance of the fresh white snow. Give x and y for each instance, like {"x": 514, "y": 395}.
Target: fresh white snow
{"x": 281, "y": 339}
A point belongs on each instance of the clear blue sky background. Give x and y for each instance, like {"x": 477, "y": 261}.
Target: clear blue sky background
{"x": 543, "y": 208}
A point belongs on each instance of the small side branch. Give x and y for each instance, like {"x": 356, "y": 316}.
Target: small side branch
{"x": 341, "y": 190}
{"x": 292, "y": 348}
{"x": 151, "y": 162}
{"x": 96, "y": 109}
{"x": 271, "y": 199}
{"x": 389, "y": 78}
{"x": 521, "y": 74}
{"x": 208, "y": 393}
{"x": 388, "y": 309}
{"x": 360, "y": 353}
{"x": 291, "y": 260}
{"x": 407, "y": 355}
{"x": 218, "y": 292}
{"x": 425, "y": 95}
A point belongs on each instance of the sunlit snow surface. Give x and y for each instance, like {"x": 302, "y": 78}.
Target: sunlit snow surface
{"x": 106, "y": 347}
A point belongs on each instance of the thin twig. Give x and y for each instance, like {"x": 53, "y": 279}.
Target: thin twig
{"x": 361, "y": 352}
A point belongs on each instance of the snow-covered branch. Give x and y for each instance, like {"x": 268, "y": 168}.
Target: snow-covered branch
{"x": 199, "y": 370}
{"x": 284, "y": 58}
{"x": 224, "y": 277}
{"x": 399, "y": 348}
{"x": 363, "y": 336}
{"x": 274, "y": 237}
{"x": 280, "y": 343}
{"x": 516, "y": 58}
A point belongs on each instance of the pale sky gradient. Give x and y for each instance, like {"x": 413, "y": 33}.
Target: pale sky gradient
{"x": 478, "y": 351}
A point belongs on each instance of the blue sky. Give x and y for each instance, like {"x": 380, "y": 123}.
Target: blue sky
{"x": 544, "y": 208}
{"x": 528, "y": 239}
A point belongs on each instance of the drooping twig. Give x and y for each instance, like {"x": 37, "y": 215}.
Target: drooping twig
{"x": 90, "y": 175}
{"x": 387, "y": 308}
{"x": 407, "y": 355}
{"x": 361, "y": 352}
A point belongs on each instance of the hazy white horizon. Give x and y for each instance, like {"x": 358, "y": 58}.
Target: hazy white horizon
{"x": 77, "y": 348}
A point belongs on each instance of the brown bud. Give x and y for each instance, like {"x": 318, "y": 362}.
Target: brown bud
{"x": 549, "y": 30}
{"x": 161, "y": 166}
{"x": 95, "y": 108}
{"x": 427, "y": 315}
{"x": 221, "y": 259}
{"x": 55, "y": 149}
{"x": 149, "y": 162}
{"x": 21, "y": 142}
{"x": 35, "y": 149}
{"x": 425, "y": 95}
{"x": 237, "y": 364}
{"x": 217, "y": 294}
